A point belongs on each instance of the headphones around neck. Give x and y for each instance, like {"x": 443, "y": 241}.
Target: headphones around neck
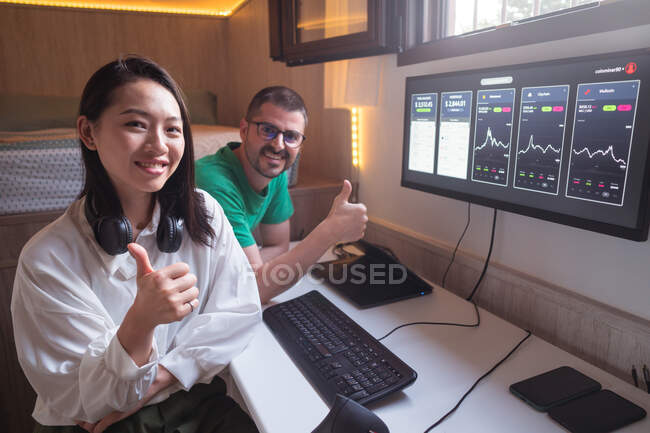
{"x": 114, "y": 233}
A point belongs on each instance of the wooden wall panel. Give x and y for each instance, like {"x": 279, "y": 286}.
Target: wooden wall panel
{"x": 312, "y": 201}
{"x": 16, "y": 230}
{"x": 16, "y": 397}
{"x": 53, "y": 51}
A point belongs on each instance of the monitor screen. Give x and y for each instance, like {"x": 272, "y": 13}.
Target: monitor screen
{"x": 564, "y": 140}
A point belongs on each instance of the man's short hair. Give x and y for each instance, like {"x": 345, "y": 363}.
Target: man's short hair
{"x": 279, "y": 96}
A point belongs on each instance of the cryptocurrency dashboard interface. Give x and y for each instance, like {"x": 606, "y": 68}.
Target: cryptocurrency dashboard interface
{"x": 563, "y": 140}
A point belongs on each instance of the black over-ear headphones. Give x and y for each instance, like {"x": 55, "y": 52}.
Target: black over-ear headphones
{"x": 114, "y": 233}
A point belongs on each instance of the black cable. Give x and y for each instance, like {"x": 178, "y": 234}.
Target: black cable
{"x": 453, "y": 256}
{"x": 462, "y": 325}
{"x": 437, "y": 423}
{"x": 478, "y": 316}
{"x": 487, "y": 259}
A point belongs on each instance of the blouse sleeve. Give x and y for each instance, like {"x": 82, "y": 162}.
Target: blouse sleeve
{"x": 67, "y": 343}
{"x": 228, "y": 314}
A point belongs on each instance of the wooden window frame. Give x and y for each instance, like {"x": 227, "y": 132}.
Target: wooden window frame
{"x": 381, "y": 37}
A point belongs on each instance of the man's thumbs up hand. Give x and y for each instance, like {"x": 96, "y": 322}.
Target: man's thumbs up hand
{"x": 346, "y": 190}
{"x": 347, "y": 221}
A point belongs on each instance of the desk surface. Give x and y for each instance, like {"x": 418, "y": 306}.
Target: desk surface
{"x": 448, "y": 361}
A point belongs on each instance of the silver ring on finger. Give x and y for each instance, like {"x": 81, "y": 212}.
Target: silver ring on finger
{"x": 191, "y": 306}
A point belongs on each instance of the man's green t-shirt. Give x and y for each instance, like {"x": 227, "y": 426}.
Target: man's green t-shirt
{"x": 223, "y": 177}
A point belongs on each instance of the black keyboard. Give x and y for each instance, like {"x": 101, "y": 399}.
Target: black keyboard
{"x": 334, "y": 352}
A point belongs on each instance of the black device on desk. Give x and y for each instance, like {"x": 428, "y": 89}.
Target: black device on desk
{"x": 599, "y": 412}
{"x": 554, "y": 388}
{"x": 334, "y": 353}
{"x": 576, "y": 401}
{"x": 374, "y": 278}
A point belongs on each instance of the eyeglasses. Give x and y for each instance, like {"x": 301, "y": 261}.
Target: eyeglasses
{"x": 269, "y": 131}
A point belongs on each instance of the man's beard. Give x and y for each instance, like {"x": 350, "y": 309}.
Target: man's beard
{"x": 254, "y": 160}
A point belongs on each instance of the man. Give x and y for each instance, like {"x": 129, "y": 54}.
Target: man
{"x": 248, "y": 181}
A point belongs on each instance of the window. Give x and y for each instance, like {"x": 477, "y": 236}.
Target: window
{"x": 436, "y": 29}
{"x": 318, "y": 20}
{"x": 313, "y": 31}
{"x": 466, "y": 16}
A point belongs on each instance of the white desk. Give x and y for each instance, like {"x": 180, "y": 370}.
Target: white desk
{"x": 447, "y": 359}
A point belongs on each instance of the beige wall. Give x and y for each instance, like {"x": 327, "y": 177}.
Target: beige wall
{"x": 610, "y": 270}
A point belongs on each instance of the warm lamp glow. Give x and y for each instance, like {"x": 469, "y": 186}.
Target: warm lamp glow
{"x": 224, "y": 8}
{"x": 354, "y": 119}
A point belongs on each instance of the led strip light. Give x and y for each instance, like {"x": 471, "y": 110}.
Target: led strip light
{"x": 128, "y": 8}
{"x": 355, "y": 137}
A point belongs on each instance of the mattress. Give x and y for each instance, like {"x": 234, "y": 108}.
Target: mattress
{"x": 42, "y": 170}
{"x": 39, "y": 171}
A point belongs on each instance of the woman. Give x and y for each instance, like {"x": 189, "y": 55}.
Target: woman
{"x": 115, "y": 340}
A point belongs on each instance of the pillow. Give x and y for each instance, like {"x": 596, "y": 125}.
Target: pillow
{"x": 202, "y": 106}
{"x": 208, "y": 138}
{"x": 20, "y": 112}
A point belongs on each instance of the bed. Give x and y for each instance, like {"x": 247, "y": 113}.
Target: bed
{"x": 40, "y": 158}
{"x": 42, "y": 170}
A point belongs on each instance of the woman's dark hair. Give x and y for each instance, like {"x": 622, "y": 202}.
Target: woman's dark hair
{"x": 280, "y": 96}
{"x": 178, "y": 196}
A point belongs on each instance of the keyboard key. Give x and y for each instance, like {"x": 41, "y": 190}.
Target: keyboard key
{"x": 323, "y": 350}
{"x": 391, "y": 380}
{"x": 377, "y": 387}
{"x": 359, "y": 394}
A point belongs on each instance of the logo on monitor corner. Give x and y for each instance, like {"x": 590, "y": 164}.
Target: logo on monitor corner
{"x": 630, "y": 68}
{"x": 608, "y": 70}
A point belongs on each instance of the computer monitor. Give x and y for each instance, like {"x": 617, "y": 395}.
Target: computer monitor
{"x": 564, "y": 140}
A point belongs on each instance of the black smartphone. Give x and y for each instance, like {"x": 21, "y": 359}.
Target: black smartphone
{"x": 554, "y": 388}
{"x": 599, "y": 412}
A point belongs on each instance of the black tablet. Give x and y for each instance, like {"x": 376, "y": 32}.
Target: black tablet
{"x": 372, "y": 279}
{"x": 554, "y": 387}
{"x": 599, "y": 412}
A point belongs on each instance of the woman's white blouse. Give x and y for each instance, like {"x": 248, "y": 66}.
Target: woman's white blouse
{"x": 70, "y": 297}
